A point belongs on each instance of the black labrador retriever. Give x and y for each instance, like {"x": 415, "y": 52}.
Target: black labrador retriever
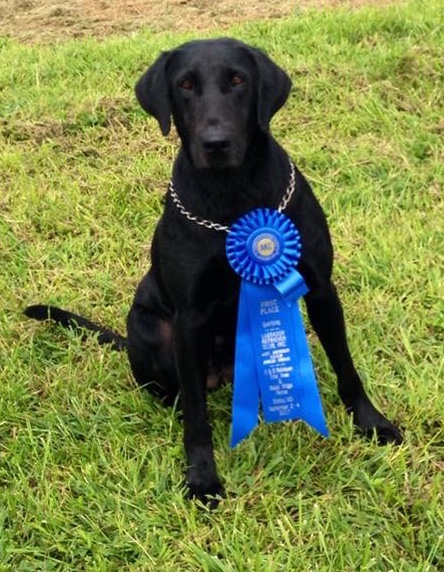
{"x": 221, "y": 95}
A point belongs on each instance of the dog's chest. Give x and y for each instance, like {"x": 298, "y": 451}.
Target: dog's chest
{"x": 217, "y": 282}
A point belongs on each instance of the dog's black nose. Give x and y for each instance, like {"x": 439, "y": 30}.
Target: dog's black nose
{"x": 215, "y": 142}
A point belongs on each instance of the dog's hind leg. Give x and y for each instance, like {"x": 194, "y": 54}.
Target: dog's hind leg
{"x": 151, "y": 354}
{"x": 325, "y": 313}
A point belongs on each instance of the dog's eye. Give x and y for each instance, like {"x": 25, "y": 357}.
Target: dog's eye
{"x": 236, "y": 79}
{"x": 186, "y": 84}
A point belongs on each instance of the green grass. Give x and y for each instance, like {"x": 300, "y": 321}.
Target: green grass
{"x": 90, "y": 468}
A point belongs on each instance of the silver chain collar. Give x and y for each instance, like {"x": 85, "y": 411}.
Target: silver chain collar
{"x": 216, "y": 225}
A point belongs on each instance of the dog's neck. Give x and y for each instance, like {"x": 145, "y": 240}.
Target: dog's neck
{"x": 223, "y": 195}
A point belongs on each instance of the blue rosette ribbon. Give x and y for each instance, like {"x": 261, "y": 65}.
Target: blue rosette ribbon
{"x": 273, "y": 366}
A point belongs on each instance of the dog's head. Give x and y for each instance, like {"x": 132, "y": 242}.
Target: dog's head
{"x": 219, "y": 93}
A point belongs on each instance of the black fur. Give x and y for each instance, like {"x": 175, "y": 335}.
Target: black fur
{"x": 221, "y": 95}
{"x": 75, "y": 322}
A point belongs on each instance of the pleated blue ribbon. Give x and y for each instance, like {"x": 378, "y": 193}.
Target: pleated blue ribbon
{"x": 273, "y": 366}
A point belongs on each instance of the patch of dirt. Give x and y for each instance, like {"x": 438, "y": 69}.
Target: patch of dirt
{"x": 43, "y": 21}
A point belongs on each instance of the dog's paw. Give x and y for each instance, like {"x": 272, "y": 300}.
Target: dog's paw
{"x": 385, "y": 433}
{"x": 372, "y": 423}
{"x": 205, "y": 488}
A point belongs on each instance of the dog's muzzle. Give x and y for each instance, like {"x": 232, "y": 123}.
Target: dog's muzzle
{"x": 217, "y": 148}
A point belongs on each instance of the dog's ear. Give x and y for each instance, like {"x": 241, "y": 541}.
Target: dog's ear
{"x": 273, "y": 88}
{"x": 153, "y": 95}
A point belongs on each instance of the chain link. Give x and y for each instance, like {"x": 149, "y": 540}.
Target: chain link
{"x": 197, "y": 219}
{"x": 289, "y": 191}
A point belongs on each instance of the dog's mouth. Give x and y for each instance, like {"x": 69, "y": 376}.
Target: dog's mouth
{"x": 218, "y": 161}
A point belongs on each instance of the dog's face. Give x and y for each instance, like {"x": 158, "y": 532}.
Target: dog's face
{"x": 219, "y": 93}
{"x": 212, "y": 96}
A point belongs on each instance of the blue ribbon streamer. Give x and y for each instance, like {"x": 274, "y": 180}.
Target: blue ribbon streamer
{"x": 273, "y": 366}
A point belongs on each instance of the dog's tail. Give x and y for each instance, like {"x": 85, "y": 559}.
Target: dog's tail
{"x": 76, "y": 323}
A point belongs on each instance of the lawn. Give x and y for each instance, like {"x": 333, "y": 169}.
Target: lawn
{"x": 91, "y": 468}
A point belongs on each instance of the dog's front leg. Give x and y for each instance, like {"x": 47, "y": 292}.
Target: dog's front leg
{"x": 192, "y": 346}
{"x": 325, "y": 313}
